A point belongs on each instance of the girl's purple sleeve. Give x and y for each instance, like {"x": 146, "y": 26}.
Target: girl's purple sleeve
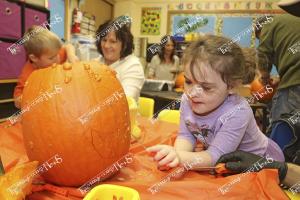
{"x": 184, "y": 133}
{"x": 230, "y": 134}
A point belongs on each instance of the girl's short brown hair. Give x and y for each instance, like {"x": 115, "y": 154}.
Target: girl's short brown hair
{"x": 250, "y": 64}
{"x": 123, "y": 34}
{"x": 230, "y": 65}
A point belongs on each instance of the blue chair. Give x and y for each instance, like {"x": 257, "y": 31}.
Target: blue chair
{"x": 281, "y": 134}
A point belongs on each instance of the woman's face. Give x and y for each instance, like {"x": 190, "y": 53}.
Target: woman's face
{"x": 111, "y": 48}
{"x": 169, "y": 47}
{"x": 207, "y": 92}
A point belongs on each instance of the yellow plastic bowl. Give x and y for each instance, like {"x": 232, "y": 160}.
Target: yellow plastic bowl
{"x": 108, "y": 191}
{"x": 133, "y": 109}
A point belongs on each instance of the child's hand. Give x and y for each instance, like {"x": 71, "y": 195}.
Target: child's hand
{"x": 165, "y": 154}
{"x": 18, "y": 101}
{"x": 73, "y": 59}
{"x": 71, "y": 55}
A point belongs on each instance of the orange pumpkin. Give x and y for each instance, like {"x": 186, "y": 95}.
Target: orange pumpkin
{"x": 79, "y": 112}
{"x": 265, "y": 94}
{"x": 179, "y": 82}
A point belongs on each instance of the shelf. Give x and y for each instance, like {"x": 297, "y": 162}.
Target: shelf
{"x": 6, "y": 100}
{"x": 9, "y": 81}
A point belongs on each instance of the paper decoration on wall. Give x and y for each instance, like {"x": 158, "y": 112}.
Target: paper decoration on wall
{"x": 248, "y": 5}
{"x": 192, "y": 26}
{"x": 268, "y": 5}
{"x": 258, "y": 4}
{"x": 150, "y": 23}
{"x": 189, "y": 6}
{"x": 219, "y": 25}
{"x": 184, "y": 23}
{"x": 226, "y": 5}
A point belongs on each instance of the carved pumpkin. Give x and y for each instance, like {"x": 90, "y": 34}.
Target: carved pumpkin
{"x": 179, "y": 82}
{"x": 16, "y": 183}
{"x": 262, "y": 93}
{"x": 78, "y": 112}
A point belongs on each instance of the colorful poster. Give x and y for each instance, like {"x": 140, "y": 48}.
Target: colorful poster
{"x": 150, "y": 21}
{"x": 183, "y": 24}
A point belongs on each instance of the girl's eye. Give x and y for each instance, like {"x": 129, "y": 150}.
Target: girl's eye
{"x": 206, "y": 88}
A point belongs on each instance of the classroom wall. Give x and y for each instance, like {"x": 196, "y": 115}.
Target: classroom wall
{"x": 57, "y": 7}
{"x": 101, "y": 9}
{"x": 133, "y": 8}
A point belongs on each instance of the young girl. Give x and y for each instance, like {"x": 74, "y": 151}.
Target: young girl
{"x": 211, "y": 112}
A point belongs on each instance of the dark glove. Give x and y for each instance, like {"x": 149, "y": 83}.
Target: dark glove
{"x": 240, "y": 161}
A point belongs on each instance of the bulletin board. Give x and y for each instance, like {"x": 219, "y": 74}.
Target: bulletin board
{"x": 225, "y": 23}
{"x": 150, "y": 23}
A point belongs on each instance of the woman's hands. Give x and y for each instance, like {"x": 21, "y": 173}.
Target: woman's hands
{"x": 165, "y": 155}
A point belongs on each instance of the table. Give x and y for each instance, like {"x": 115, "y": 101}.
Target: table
{"x": 164, "y": 99}
{"x": 141, "y": 174}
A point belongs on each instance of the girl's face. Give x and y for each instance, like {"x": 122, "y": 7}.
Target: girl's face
{"x": 207, "y": 92}
{"x": 111, "y": 48}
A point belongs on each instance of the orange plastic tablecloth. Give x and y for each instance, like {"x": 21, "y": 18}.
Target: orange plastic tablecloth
{"x": 142, "y": 172}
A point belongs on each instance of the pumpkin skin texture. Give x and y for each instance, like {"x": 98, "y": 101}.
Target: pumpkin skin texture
{"x": 266, "y": 96}
{"x": 57, "y": 123}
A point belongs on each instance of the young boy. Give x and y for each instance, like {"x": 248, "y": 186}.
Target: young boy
{"x": 43, "y": 48}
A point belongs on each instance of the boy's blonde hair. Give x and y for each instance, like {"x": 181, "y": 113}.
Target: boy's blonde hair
{"x": 231, "y": 65}
{"x": 39, "y": 40}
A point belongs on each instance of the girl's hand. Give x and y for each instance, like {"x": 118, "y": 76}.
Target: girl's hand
{"x": 165, "y": 154}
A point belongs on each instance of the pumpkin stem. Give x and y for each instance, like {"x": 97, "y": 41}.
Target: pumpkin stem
{"x": 1, "y": 168}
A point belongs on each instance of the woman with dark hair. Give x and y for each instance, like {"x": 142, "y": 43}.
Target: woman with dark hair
{"x": 114, "y": 42}
{"x": 165, "y": 64}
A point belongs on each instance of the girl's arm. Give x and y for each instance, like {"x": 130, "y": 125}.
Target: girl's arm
{"x": 184, "y": 149}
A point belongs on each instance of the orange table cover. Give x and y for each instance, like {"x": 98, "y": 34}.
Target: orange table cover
{"x": 142, "y": 172}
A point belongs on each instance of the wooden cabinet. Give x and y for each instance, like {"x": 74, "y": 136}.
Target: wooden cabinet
{"x": 7, "y": 107}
